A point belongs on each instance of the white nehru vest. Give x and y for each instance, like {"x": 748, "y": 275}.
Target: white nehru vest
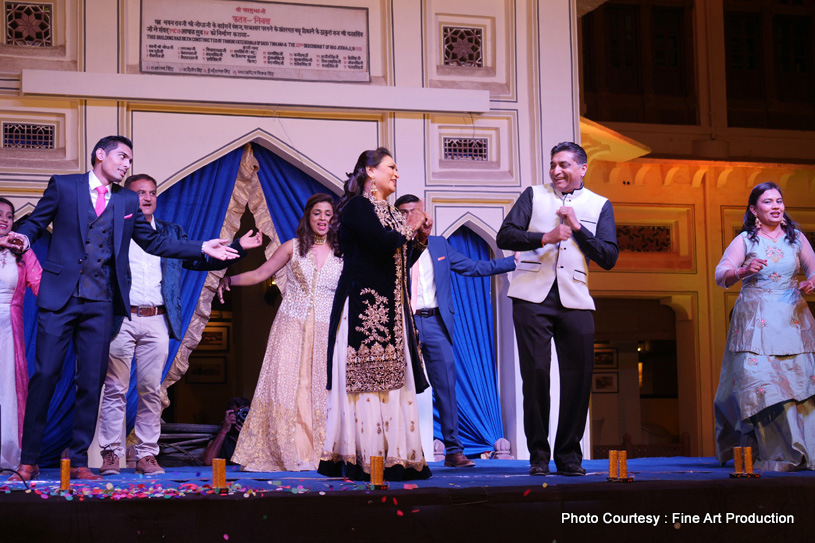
{"x": 536, "y": 270}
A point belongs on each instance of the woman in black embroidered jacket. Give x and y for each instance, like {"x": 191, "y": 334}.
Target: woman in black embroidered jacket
{"x": 374, "y": 367}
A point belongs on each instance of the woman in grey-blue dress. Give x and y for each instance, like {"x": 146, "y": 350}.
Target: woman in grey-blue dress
{"x": 766, "y": 394}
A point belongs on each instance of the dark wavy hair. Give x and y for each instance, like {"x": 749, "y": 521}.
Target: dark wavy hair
{"x": 749, "y": 221}
{"x": 355, "y": 184}
{"x": 305, "y": 235}
{"x": 8, "y": 203}
{"x": 107, "y": 144}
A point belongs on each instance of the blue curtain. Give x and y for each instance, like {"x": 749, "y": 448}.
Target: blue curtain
{"x": 286, "y": 189}
{"x": 480, "y": 422}
{"x": 57, "y": 434}
{"x": 198, "y": 204}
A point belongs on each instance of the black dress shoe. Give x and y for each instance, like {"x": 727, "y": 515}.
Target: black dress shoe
{"x": 539, "y": 469}
{"x": 458, "y": 460}
{"x": 571, "y": 470}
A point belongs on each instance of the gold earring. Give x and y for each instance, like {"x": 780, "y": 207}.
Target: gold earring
{"x": 758, "y": 223}
{"x": 374, "y": 190}
{"x": 783, "y": 221}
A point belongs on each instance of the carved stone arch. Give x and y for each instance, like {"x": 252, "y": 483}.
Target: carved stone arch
{"x": 24, "y": 209}
{"x": 272, "y": 143}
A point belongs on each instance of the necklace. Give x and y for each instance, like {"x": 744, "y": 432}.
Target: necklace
{"x": 320, "y": 240}
{"x": 775, "y": 239}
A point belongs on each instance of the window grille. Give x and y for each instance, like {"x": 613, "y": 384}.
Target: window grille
{"x": 28, "y": 136}
{"x": 475, "y": 149}
{"x": 29, "y": 24}
{"x": 463, "y": 46}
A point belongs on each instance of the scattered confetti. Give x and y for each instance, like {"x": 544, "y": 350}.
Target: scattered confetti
{"x": 527, "y": 491}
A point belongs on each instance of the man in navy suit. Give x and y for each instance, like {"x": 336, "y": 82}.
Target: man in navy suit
{"x": 85, "y": 282}
{"x": 433, "y": 315}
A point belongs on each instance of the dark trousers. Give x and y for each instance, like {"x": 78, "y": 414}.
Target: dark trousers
{"x": 437, "y": 351}
{"x": 88, "y": 324}
{"x": 573, "y": 330}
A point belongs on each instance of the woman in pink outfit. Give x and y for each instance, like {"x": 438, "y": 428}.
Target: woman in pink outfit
{"x": 16, "y": 273}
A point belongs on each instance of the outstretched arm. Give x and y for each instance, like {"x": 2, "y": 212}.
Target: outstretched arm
{"x": 279, "y": 258}
{"x": 466, "y": 266}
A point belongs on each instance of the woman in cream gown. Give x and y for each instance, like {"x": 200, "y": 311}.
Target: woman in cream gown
{"x": 285, "y": 428}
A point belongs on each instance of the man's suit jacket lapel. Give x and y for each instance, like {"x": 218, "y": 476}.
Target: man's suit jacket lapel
{"x": 83, "y": 196}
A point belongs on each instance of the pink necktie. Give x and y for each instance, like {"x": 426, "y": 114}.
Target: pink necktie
{"x": 100, "y": 199}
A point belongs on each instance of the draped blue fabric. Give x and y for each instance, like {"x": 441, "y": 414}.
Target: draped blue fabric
{"x": 57, "y": 434}
{"x": 286, "y": 189}
{"x": 198, "y": 204}
{"x": 480, "y": 422}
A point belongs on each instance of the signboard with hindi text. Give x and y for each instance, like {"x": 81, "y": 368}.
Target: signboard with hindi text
{"x": 254, "y": 39}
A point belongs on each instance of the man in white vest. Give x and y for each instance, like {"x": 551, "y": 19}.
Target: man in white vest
{"x": 560, "y": 227}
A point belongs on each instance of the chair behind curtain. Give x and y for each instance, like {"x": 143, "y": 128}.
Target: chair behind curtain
{"x": 480, "y": 422}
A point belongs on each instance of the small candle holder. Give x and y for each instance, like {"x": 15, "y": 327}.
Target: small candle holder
{"x": 618, "y": 467}
{"x": 64, "y": 474}
{"x": 219, "y": 475}
{"x": 377, "y": 474}
{"x": 743, "y": 463}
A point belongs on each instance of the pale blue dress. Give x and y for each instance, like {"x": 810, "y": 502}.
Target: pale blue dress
{"x": 767, "y": 384}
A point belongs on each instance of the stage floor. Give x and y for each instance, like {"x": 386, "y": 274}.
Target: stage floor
{"x": 671, "y": 499}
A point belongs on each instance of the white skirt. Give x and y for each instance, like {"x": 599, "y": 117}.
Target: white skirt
{"x": 361, "y": 425}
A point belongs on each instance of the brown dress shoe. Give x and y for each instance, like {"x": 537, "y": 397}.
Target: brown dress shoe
{"x": 458, "y": 460}
{"x": 25, "y": 472}
{"x": 148, "y": 466}
{"x": 110, "y": 463}
{"x": 84, "y": 473}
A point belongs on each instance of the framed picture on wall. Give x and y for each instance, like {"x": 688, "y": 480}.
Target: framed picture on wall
{"x": 605, "y": 358}
{"x": 207, "y": 369}
{"x": 604, "y": 383}
{"x": 215, "y": 337}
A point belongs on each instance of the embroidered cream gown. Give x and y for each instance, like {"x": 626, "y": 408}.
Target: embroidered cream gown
{"x": 285, "y": 428}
